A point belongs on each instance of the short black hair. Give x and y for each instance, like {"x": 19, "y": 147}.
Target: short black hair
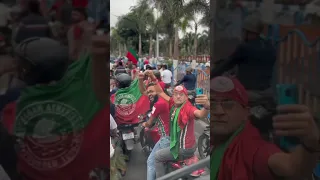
{"x": 120, "y": 63}
{"x": 150, "y": 84}
{"x": 34, "y": 6}
{"x": 165, "y": 66}
{"x": 148, "y": 67}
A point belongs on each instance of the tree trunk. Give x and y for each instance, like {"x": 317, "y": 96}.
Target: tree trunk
{"x": 119, "y": 48}
{"x": 176, "y": 44}
{"x": 195, "y": 42}
{"x": 140, "y": 45}
{"x": 170, "y": 48}
{"x": 124, "y": 48}
{"x": 150, "y": 46}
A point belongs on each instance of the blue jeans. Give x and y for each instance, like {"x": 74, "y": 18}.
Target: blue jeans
{"x": 163, "y": 142}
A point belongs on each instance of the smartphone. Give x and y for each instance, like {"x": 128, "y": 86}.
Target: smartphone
{"x": 287, "y": 94}
{"x": 199, "y": 91}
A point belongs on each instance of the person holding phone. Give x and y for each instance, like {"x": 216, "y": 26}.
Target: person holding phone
{"x": 182, "y": 117}
{"x": 239, "y": 150}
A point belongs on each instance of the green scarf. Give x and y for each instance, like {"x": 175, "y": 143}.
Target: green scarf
{"x": 175, "y": 132}
{"x": 218, "y": 153}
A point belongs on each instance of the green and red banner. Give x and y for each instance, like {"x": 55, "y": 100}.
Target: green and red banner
{"x": 63, "y": 129}
{"x": 130, "y": 103}
{"x": 132, "y": 56}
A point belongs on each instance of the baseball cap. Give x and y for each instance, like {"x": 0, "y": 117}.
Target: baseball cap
{"x": 230, "y": 88}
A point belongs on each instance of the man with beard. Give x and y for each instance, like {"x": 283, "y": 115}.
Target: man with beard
{"x": 182, "y": 120}
{"x": 160, "y": 114}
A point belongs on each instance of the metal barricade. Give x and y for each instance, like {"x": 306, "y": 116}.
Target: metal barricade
{"x": 186, "y": 170}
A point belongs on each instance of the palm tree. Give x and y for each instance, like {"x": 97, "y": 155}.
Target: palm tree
{"x": 115, "y": 36}
{"x": 193, "y": 8}
{"x": 141, "y": 14}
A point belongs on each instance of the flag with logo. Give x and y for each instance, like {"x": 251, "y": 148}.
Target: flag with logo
{"x": 63, "y": 129}
{"x": 132, "y": 56}
{"x": 130, "y": 103}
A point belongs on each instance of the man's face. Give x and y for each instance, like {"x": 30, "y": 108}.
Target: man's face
{"x": 227, "y": 115}
{"x": 151, "y": 92}
{"x": 179, "y": 98}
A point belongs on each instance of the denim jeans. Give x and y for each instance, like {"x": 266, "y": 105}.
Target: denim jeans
{"x": 165, "y": 155}
{"x": 163, "y": 142}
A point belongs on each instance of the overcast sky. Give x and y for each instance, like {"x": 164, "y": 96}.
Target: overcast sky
{"x": 122, "y": 7}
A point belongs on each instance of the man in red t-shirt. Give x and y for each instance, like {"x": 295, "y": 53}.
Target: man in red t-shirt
{"x": 240, "y": 152}
{"x": 160, "y": 114}
{"x": 182, "y": 117}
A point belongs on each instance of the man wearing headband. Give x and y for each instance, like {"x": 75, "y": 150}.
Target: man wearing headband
{"x": 240, "y": 152}
{"x": 182, "y": 117}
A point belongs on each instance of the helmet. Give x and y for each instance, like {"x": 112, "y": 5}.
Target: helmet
{"x": 145, "y": 62}
{"x": 48, "y": 58}
{"x": 253, "y": 24}
{"x": 207, "y": 64}
{"x": 124, "y": 80}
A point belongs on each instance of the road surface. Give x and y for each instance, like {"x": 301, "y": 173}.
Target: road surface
{"x": 137, "y": 167}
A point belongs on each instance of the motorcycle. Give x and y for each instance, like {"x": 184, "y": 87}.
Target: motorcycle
{"x": 128, "y": 137}
{"x": 204, "y": 141}
{"x": 150, "y": 136}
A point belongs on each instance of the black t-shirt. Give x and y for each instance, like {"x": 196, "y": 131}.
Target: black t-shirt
{"x": 255, "y": 60}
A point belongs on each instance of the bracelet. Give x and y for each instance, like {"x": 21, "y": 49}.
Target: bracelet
{"x": 309, "y": 150}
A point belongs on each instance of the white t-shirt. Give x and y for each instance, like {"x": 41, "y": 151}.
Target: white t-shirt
{"x": 166, "y": 76}
{"x": 113, "y": 124}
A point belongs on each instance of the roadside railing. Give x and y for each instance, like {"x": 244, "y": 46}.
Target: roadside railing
{"x": 186, "y": 170}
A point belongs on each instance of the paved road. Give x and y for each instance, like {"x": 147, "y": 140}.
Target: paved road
{"x": 137, "y": 167}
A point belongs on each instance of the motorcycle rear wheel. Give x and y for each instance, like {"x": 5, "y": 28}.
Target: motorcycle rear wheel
{"x": 203, "y": 146}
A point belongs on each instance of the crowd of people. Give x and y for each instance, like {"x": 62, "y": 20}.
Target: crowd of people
{"x": 173, "y": 113}
{"x": 53, "y": 125}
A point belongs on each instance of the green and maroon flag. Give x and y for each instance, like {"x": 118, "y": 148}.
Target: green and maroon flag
{"x": 63, "y": 129}
{"x": 132, "y": 56}
{"x": 130, "y": 103}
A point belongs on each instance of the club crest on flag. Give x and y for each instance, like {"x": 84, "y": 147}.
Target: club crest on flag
{"x": 41, "y": 120}
{"x": 125, "y": 104}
